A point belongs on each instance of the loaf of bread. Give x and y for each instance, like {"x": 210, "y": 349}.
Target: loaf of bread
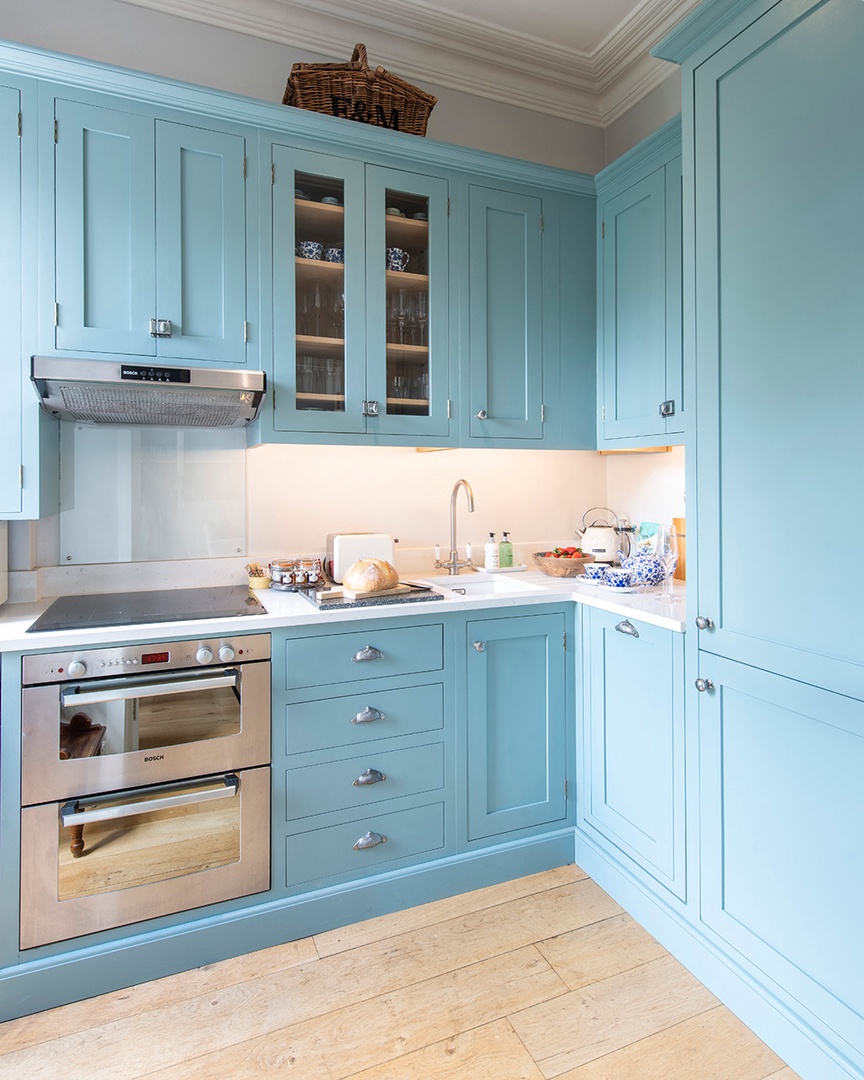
{"x": 370, "y": 575}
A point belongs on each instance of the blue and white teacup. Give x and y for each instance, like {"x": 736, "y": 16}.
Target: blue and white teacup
{"x": 617, "y": 577}
{"x": 594, "y": 571}
{"x": 310, "y": 249}
{"x": 334, "y": 255}
{"x": 397, "y": 258}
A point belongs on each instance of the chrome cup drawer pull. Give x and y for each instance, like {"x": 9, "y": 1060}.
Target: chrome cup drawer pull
{"x": 369, "y": 653}
{"x": 371, "y": 839}
{"x": 371, "y": 776}
{"x": 367, "y": 716}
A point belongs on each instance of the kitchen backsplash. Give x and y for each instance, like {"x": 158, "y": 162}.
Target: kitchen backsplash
{"x": 296, "y": 495}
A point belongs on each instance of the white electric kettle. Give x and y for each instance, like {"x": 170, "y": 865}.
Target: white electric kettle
{"x": 601, "y": 539}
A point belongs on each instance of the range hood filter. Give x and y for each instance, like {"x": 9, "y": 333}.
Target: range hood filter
{"x": 107, "y": 392}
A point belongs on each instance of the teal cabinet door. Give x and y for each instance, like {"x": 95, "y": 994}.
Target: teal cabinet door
{"x": 639, "y": 296}
{"x": 201, "y": 267}
{"x": 105, "y": 272}
{"x": 150, "y": 223}
{"x": 779, "y": 330}
{"x": 781, "y": 806}
{"x": 631, "y": 794}
{"x": 505, "y": 315}
{"x": 11, "y": 402}
{"x": 516, "y": 723}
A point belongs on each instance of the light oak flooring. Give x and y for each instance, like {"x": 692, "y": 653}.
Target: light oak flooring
{"x": 540, "y": 977}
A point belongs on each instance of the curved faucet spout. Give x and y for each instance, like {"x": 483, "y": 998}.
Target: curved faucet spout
{"x": 454, "y": 564}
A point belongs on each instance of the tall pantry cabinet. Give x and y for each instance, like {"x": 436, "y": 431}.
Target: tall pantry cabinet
{"x": 774, "y": 329}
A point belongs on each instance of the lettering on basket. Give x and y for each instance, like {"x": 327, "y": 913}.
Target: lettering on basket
{"x": 364, "y": 112}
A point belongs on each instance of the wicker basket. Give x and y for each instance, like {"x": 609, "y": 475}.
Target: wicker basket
{"x": 355, "y": 92}
{"x": 561, "y": 567}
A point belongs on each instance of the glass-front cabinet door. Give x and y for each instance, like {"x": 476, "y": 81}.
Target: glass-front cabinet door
{"x": 360, "y": 301}
{"x": 406, "y": 236}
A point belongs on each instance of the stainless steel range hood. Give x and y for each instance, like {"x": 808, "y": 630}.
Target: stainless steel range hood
{"x": 108, "y": 392}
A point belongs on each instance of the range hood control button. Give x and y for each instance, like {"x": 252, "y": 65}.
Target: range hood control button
{"x": 77, "y": 668}
{"x": 226, "y": 654}
{"x": 204, "y": 655}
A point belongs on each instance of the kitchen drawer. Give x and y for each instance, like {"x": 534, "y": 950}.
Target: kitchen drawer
{"x": 367, "y": 654}
{"x": 360, "y": 718}
{"x": 317, "y": 789}
{"x": 324, "y": 853}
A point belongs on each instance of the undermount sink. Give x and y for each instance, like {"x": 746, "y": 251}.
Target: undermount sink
{"x": 471, "y": 584}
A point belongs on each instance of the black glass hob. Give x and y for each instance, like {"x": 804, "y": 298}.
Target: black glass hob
{"x": 164, "y": 605}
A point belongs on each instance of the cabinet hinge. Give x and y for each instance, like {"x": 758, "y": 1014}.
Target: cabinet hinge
{"x": 602, "y": 230}
{"x": 21, "y": 477}
{"x": 272, "y": 173}
{"x": 448, "y": 206}
{"x": 603, "y": 414}
{"x": 20, "y": 124}
{"x": 541, "y": 223}
{"x": 56, "y": 313}
{"x": 542, "y": 414}
{"x": 449, "y": 409}
{"x": 55, "y": 131}
{"x": 564, "y": 642}
{"x": 245, "y": 172}
{"x": 245, "y": 332}
{"x": 565, "y": 790}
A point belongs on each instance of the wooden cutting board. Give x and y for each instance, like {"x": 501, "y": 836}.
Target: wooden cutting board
{"x": 357, "y": 594}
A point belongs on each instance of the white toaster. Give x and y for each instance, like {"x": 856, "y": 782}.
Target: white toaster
{"x": 344, "y": 549}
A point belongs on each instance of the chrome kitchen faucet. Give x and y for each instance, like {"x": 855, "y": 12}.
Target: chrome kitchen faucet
{"x": 453, "y": 564}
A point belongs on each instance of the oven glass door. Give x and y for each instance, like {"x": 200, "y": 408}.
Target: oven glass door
{"x": 105, "y": 734}
{"x": 107, "y": 860}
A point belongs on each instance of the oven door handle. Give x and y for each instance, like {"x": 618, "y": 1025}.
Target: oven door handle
{"x": 74, "y": 695}
{"x": 204, "y": 792}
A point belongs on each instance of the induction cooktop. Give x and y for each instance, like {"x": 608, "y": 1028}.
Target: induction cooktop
{"x": 164, "y": 605}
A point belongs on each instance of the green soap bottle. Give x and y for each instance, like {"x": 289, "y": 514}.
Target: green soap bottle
{"x": 505, "y": 551}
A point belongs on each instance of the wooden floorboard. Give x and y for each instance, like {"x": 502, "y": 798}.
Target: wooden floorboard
{"x": 532, "y": 979}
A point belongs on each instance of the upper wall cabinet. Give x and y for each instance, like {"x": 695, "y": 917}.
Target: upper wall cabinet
{"x": 150, "y": 221}
{"x": 525, "y": 264}
{"x": 640, "y": 392}
{"x": 360, "y": 298}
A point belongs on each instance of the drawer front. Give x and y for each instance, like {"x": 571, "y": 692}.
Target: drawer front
{"x": 367, "y": 654}
{"x": 324, "y": 853}
{"x": 353, "y": 781}
{"x": 360, "y": 718}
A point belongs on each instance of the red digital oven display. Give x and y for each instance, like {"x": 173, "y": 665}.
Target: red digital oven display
{"x": 155, "y": 657}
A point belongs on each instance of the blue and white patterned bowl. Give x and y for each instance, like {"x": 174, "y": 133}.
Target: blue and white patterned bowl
{"x": 310, "y": 249}
{"x": 618, "y": 577}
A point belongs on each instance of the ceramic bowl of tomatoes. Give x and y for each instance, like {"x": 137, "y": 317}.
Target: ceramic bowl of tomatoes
{"x": 562, "y": 561}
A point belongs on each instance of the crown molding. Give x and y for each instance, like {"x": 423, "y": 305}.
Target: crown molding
{"x": 428, "y": 46}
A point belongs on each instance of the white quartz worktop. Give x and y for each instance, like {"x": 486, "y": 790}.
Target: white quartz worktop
{"x": 286, "y": 609}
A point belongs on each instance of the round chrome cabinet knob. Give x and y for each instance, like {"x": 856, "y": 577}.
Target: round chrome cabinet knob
{"x": 226, "y": 654}
{"x": 204, "y": 655}
{"x": 77, "y": 668}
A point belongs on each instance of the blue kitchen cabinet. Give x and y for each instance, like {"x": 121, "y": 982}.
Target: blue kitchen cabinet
{"x": 150, "y": 235}
{"x": 774, "y": 250}
{"x": 29, "y": 440}
{"x": 631, "y": 797}
{"x": 639, "y": 307}
{"x": 515, "y": 724}
{"x": 781, "y": 802}
{"x": 360, "y": 347}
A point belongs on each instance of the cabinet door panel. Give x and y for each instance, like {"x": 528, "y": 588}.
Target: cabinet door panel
{"x": 104, "y": 192}
{"x": 516, "y": 723}
{"x": 505, "y": 276}
{"x": 201, "y": 243}
{"x": 782, "y": 877}
{"x": 779, "y": 325}
{"x": 633, "y": 744}
{"x": 10, "y": 302}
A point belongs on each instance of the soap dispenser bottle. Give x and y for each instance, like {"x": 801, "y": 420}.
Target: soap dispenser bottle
{"x": 505, "y": 551}
{"x": 490, "y": 551}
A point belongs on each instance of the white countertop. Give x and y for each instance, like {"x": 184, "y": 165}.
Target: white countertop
{"x": 286, "y": 609}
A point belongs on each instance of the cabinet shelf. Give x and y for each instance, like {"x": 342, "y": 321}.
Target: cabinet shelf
{"x": 309, "y": 270}
{"x": 407, "y": 233}
{"x": 403, "y": 279}
{"x": 408, "y": 354}
{"x": 321, "y": 221}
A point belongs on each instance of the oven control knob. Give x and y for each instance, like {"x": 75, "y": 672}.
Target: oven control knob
{"x": 77, "y": 668}
{"x": 226, "y": 654}
{"x": 204, "y": 655}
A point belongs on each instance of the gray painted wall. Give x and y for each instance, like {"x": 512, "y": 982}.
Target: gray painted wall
{"x": 145, "y": 40}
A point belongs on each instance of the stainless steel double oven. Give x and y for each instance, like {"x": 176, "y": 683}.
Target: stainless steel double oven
{"x": 145, "y": 782}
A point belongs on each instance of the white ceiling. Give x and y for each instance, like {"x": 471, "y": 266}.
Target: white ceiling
{"x": 582, "y": 60}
